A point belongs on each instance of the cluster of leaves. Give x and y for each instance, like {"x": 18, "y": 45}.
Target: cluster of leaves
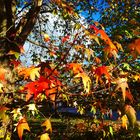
{"x": 83, "y": 66}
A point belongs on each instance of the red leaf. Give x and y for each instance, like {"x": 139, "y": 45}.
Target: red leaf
{"x": 65, "y": 38}
{"x": 16, "y": 63}
{"x": 94, "y": 28}
{"x": 102, "y": 70}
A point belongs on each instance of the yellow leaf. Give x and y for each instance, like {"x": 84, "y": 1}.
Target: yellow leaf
{"x": 31, "y": 72}
{"x": 131, "y": 115}
{"x": 89, "y": 53}
{"x": 124, "y": 121}
{"x": 45, "y": 137}
{"x": 86, "y": 80}
{"x": 1, "y": 86}
{"x": 34, "y": 73}
{"x": 92, "y": 36}
{"x": 16, "y": 113}
{"x": 118, "y": 45}
{"x": 48, "y": 125}
{"x": 22, "y": 125}
{"x": 46, "y": 38}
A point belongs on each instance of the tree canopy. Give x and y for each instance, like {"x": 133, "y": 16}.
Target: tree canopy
{"x": 83, "y": 53}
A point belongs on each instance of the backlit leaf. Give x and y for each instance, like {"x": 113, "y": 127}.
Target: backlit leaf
{"x": 135, "y": 47}
{"x": 122, "y": 84}
{"x": 30, "y": 72}
{"x": 89, "y": 53}
{"x": 86, "y": 81}
{"x": 32, "y": 108}
{"x": 65, "y": 38}
{"x": 45, "y": 137}
{"x": 21, "y": 126}
{"x": 48, "y": 125}
{"x": 46, "y": 38}
{"x": 131, "y": 115}
{"x": 76, "y": 67}
{"x": 124, "y": 121}
{"x": 102, "y": 70}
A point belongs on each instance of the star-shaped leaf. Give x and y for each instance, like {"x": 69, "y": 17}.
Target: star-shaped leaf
{"x": 86, "y": 81}
{"x": 21, "y": 126}
{"x": 48, "y": 125}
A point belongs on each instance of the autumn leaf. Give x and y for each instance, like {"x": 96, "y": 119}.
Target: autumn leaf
{"x": 3, "y": 72}
{"x": 97, "y": 60}
{"x": 30, "y": 72}
{"x": 45, "y": 137}
{"x": 36, "y": 87}
{"x": 3, "y": 115}
{"x": 12, "y": 52}
{"x": 65, "y": 38}
{"x": 124, "y": 121}
{"x": 79, "y": 47}
{"x": 122, "y": 84}
{"x": 110, "y": 52}
{"x": 48, "y": 125}
{"x": 89, "y": 53}
{"x": 1, "y": 86}
{"x": 111, "y": 48}
{"x": 118, "y": 45}
{"x": 92, "y": 36}
{"x": 21, "y": 126}
{"x": 15, "y": 63}
{"x": 76, "y": 67}
{"x": 131, "y": 115}
{"x": 46, "y": 38}
{"x": 129, "y": 95}
{"x": 102, "y": 70}
{"x": 16, "y": 113}
{"x": 86, "y": 80}
{"x": 42, "y": 85}
{"x": 135, "y": 47}
{"x": 32, "y": 108}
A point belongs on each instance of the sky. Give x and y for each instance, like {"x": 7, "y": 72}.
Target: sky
{"x": 101, "y": 4}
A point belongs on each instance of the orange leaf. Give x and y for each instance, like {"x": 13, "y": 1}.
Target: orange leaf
{"x": 78, "y": 47}
{"x": 97, "y": 60}
{"x": 122, "y": 84}
{"x": 48, "y": 125}
{"x": 135, "y": 47}
{"x": 109, "y": 52}
{"x": 76, "y": 67}
{"x": 31, "y": 72}
{"x": 22, "y": 124}
{"x": 2, "y": 74}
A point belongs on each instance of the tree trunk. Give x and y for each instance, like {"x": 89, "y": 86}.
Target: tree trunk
{"x": 12, "y": 37}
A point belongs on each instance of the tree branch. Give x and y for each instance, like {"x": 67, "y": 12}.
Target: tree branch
{"x": 29, "y": 21}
